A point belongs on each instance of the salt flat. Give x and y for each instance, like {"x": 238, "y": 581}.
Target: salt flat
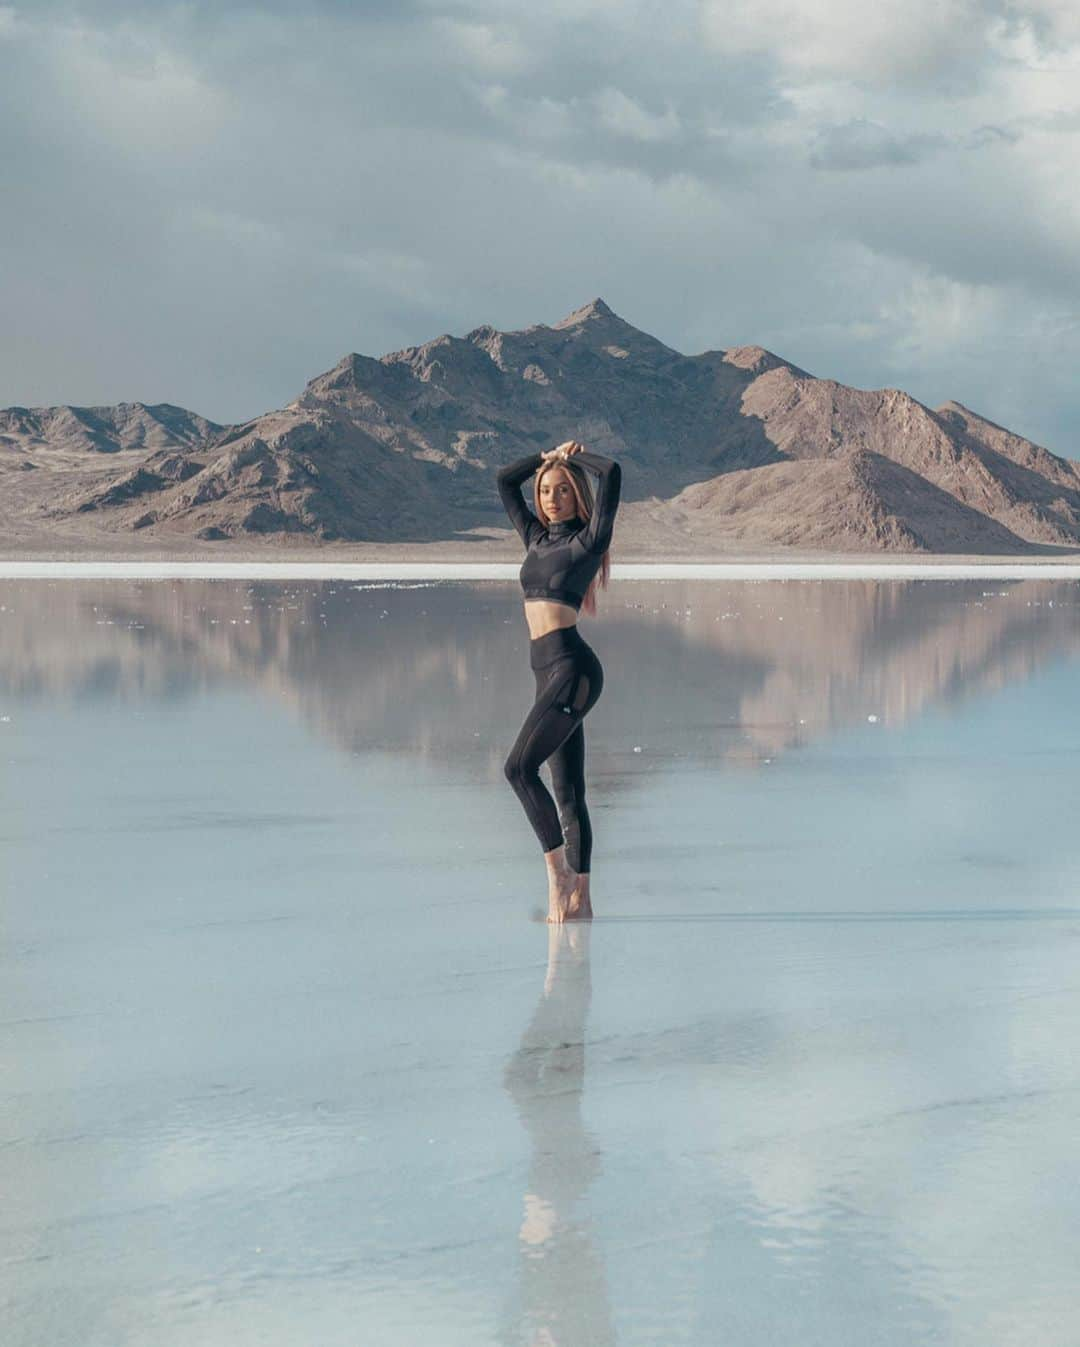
{"x": 286, "y": 1058}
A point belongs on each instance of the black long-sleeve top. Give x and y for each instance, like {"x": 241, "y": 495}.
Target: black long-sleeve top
{"x": 562, "y": 558}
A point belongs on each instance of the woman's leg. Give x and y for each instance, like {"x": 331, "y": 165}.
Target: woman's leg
{"x": 564, "y": 696}
{"x": 547, "y": 725}
{"x": 567, "y": 765}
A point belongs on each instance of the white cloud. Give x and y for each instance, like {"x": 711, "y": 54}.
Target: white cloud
{"x": 934, "y": 316}
{"x": 916, "y": 42}
{"x": 1052, "y": 26}
{"x": 130, "y": 87}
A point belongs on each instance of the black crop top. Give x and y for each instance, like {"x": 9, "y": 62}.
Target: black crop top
{"x": 563, "y": 557}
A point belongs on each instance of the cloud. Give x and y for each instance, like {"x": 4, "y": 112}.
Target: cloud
{"x": 625, "y": 117}
{"x": 487, "y": 47}
{"x": 861, "y": 144}
{"x": 920, "y": 43}
{"x": 215, "y": 203}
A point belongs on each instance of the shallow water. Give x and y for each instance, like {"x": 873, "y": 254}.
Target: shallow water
{"x": 286, "y": 1060}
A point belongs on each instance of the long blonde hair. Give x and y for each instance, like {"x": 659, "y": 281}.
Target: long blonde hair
{"x": 583, "y": 495}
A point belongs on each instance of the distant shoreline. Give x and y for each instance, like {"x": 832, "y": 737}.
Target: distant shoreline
{"x": 853, "y": 568}
{"x": 483, "y": 556}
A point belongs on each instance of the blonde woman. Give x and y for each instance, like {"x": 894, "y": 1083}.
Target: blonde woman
{"x": 567, "y": 540}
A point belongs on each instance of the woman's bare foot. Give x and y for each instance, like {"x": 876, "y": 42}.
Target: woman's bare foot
{"x": 561, "y": 884}
{"x": 580, "y": 906}
{"x": 561, "y": 897}
{"x": 568, "y": 892}
{"x": 574, "y": 908}
{"x": 573, "y": 903}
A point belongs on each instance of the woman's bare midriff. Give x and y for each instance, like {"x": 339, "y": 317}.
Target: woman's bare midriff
{"x": 544, "y": 615}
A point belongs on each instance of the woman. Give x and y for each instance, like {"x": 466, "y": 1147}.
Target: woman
{"x": 567, "y": 541}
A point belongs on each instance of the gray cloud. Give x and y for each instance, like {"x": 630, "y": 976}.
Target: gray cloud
{"x": 863, "y": 144}
{"x": 210, "y": 204}
{"x": 860, "y": 144}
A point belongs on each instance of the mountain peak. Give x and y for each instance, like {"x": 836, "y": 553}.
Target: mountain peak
{"x": 954, "y": 406}
{"x": 594, "y": 311}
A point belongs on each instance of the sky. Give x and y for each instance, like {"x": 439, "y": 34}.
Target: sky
{"x": 209, "y": 204}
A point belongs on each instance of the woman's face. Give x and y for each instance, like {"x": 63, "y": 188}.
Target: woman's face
{"x": 557, "y": 495}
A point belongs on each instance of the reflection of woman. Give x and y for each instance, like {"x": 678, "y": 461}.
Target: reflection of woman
{"x": 567, "y": 553}
{"x": 564, "y": 1299}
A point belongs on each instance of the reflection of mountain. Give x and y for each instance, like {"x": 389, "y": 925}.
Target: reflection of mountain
{"x": 562, "y": 1283}
{"x": 699, "y": 669}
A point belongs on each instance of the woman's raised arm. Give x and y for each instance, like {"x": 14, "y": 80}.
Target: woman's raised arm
{"x": 597, "y": 533}
{"x": 509, "y": 480}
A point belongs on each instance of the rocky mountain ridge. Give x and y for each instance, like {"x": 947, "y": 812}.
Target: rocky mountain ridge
{"x": 728, "y": 447}
{"x": 106, "y": 430}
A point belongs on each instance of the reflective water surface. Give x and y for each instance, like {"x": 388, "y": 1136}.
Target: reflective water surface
{"x": 284, "y": 1058}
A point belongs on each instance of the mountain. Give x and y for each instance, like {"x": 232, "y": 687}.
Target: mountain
{"x": 728, "y": 448}
{"x": 106, "y": 430}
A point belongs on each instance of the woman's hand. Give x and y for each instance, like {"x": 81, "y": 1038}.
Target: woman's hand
{"x": 563, "y": 451}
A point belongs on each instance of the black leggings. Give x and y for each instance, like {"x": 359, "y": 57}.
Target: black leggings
{"x": 569, "y": 679}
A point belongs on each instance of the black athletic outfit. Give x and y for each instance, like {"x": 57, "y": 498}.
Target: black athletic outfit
{"x": 560, "y": 563}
